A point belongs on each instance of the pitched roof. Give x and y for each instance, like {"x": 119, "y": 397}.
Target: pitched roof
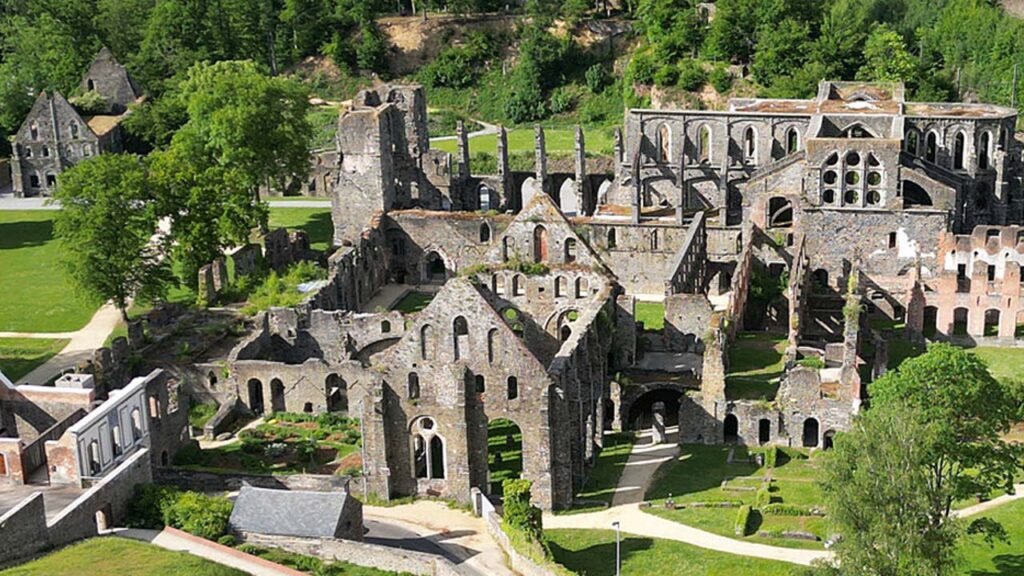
{"x": 288, "y": 512}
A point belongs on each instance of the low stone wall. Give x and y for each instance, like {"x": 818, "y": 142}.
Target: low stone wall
{"x": 359, "y": 553}
{"x": 519, "y": 563}
{"x": 203, "y": 481}
{"x": 23, "y": 530}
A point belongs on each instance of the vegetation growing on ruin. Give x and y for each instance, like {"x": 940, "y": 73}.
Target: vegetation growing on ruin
{"x": 284, "y": 290}
{"x": 311, "y": 564}
{"x": 651, "y": 314}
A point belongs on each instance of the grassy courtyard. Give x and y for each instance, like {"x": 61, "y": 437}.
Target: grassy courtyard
{"x": 1004, "y": 558}
{"x": 592, "y": 553}
{"x": 106, "y": 556}
{"x": 652, "y": 314}
{"x": 697, "y": 477}
{"x": 557, "y": 141}
{"x": 37, "y": 295}
{"x": 315, "y": 221}
{"x": 1003, "y": 363}
{"x": 19, "y": 356}
{"x": 286, "y": 444}
{"x": 413, "y": 302}
{"x": 755, "y": 366}
{"x": 604, "y": 477}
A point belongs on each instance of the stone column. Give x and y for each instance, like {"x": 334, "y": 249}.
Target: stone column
{"x": 541, "y": 159}
{"x": 463, "y": 152}
{"x": 581, "y": 173}
{"x": 659, "y": 422}
{"x": 503, "y": 172}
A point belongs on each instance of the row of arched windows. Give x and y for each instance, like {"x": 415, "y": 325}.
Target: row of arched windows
{"x": 460, "y": 337}
{"x": 581, "y": 285}
{"x": 479, "y": 386}
{"x": 749, "y": 146}
{"x": 928, "y": 148}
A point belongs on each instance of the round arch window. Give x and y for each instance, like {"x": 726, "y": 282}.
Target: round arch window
{"x": 873, "y": 198}
{"x": 828, "y": 196}
{"x": 851, "y": 197}
{"x": 830, "y": 177}
{"x": 852, "y": 178}
{"x": 852, "y": 159}
{"x": 874, "y": 178}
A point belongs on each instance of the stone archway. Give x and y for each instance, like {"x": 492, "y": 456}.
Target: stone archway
{"x": 731, "y": 429}
{"x": 255, "y": 390}
{"x": 810, "y": 433}
{"x": 504, "y": 453}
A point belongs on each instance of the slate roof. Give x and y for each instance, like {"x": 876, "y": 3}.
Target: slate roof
{"x": 288, "y": 512}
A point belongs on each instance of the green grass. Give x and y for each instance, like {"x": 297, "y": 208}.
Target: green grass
{"x": 37, "y": 295}
{"x": 19, "y": 356}
{"x": 200, "y": 414}
{"x": 557, "y": 141}
{"x": 1005, "y": 558}
{"x": 107, "y": 556}
{"x": 697, "y": 475}
{"x": 604, "y": 476}
{"x": 315, "y": 221}
{"x": 652, "y": 314}
{"x": 1003, "y": 363}
{"x": 325, "y": 126}
{"x": 510, "y": 466}
{"x": 413, "y": 302}
{"x": 755, "y": 366}
{"x": 592, "y": 553}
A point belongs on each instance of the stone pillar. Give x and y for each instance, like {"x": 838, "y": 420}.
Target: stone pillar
{"x": 503, "y": 172}
{"x": 207, "y": 292}
{"x": 618, "y": 146}
{"x": 635, "y": 201}
{"x": 581, "y": 174}
{"x": 220, "y": 274}
{"x": 463, "y": 153}
{"x": 541, "y": 159}
{"x": 615, "y": 390}
{"x": 659, "y": 423}
{"x": 683, "y": 192}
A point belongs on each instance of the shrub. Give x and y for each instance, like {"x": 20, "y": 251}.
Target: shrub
{"x": 763, "y": 497}
{"x": 189, "y": 454}
{"x": 771, "y": 456}
{"x": 641, "y": 68}
{"x": 811, "y": 362}
{"x": 199, "y": 515}
{"x": 226, "y": 540}
{"x": 597, "y": 78}
{"x": 90, "y": 103}
{"x": 742, "y": 520}
{"x": 784, "y": 510}
{"x": 561, "y": 100}
{"x": 519, "y": 513}
{"x": 372, "y": 49}
{"x": 720, "y": 78}
{"x": 667, "y": 75}
{"x": 691, "y": 76}
{"x": 146, "y": 508}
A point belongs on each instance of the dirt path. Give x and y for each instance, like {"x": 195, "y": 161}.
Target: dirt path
{"x": 644, "y": 461}
{"x": 993, "y": 503}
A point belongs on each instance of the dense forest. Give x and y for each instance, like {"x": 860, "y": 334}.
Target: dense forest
{"x": 942, "y": 50}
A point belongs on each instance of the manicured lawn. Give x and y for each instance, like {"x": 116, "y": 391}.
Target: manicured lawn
{"x": 108, "y": 556}
{"x": 604, "y": 477}
{"x": 19, "y": 356}
{"x": 1003, "y": 363}
{"x": 592, "y": 553}
{"x": 697, "y": 476}
{"x": 315, "y": 221}
{"x": 652, "y": 314}
{"x": 556, "y": 141}
{"x": 755, "y": 366}
{"x": 504, "y": 438}
{"x": 413, "y": 302}
{"x": 37, "y": 295}
{"x": 1003, "y": 559}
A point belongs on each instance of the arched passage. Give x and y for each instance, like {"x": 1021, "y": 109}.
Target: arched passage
{"x": 992, "y": 322}
{"x": 764, "y": 431}
{"x": 640, "y": 415}
{"x": 276, "y": 396}
{"x": 336, "y": 390}
{"x": 504, "y": 453}
{"x": 731, "y": 429}
{"x": 828, "y": 439}
{"x": 931, "y": 316}
{"x": 810, "y": 436}
{"x": 255, "y": 390}
{"x": 434, "y": 268}
{"x": 960, "y": 318}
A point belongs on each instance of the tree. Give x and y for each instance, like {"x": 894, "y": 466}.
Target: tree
{"x": 780, "y": 50}
{"x": 106, "y": 227}
{"x": 886, "y": 57}
{"x": 733, "y": 33}
{"x": 932, "y": 436}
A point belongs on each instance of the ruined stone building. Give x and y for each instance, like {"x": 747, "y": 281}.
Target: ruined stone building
{"x": 55, "y": 135}
{"x": 853, "y": 205}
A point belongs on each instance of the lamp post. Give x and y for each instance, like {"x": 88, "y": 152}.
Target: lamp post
{"x": 618, "y": 551}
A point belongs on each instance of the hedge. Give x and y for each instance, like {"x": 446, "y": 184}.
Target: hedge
{"x": 771, "y": 456}
{"x": 763, "y": 498}
{"x": 742, "y": 519}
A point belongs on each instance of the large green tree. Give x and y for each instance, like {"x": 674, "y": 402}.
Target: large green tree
{"x": 887, "y": 58}
{"x": 106, "y": 230}
{"x": 933, "y": 436}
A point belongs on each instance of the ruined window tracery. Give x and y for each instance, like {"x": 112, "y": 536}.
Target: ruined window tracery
{"x": 428, "y": 450}
{"x": 704, "y": 144}
{"x": 664, "y": 143}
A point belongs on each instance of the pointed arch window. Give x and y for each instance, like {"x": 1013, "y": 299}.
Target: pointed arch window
{"x": 426, "y": 342}
{"x": 959, "y": 150}
{"x": 704, "y": 144}
{"x": 664, "y": 143}
{"x": 750, "y": 145}
{"x": 792, "y": 141}
{"x": 984, "y": 145}
{"x": 931, "y": 147}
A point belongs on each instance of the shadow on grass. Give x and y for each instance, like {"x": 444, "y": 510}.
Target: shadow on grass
{"x": 699, "y": 468}
{"x": 15, "y": 235}
{"x": 1006, "y": 565}
{"x": 599, "y": 560}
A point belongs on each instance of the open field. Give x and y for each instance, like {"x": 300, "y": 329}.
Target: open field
{"x": 652, "y": 314}
{"x": 557, "y": 141}
{"x": 315, "y": 221}
{"x": 19, "y": 356}
{"x": 37, "y": 296}
{"x": 108, "y": 556}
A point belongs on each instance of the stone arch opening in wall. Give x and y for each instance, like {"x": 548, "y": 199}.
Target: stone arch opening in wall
{"x": 810, "y": 435}
{"x": 336, "y": 392}
{"x": 485, "y": 232}
{"x": 527, "y": 191}
{"x": 913, "y": 142}
{"x": 276, "y": 395}
{"x": 931, "y": 146}
{"x": 915, "y": 195}
{"x": 959, "y": 150}
{"x": 664, "y": 143}
{"x": 731, "y": 429}
{"x": 34, "y": 131}
{"x": 570, "y": 250}
{"x": 518, "y": 285}
{"x": 211, "y": 380}
{"x": 492, "y": 344}
{"x": 960, "y": 318}
{"x": 704, "y": 144}
{"x": 857, "y": 130}
{"x": 504, "y": 453}
{"x": 460, "y": 336}
{"x": 602, "y": 191}
{"x": 507, "y": 245}
{"x": 931, "y": 321}
{"x": 426, "y": 342}
{"x": 94, "y": 458}
{"x": 540, "y": 244}
{"x": 102, "y": 517}
{"x": 984, "y": 149}
{"x": 582, "y": 285}
{"x": 638, "y": 410}
{"x": 165, "y": 458}
{"x": 413, "y": 386}
{"x": 485, "y": 195}
{"x": 429, "y": 458}
{"x": 992, "y": 316}
{"x": 434, "y": 269}
{"x": 780, "y": 212}
{"x": 612, "y": 239}
{"x": 567, "y": 198}
{"x": 255, "y": 390}
{"x": 792, "y": 140}
{"x": 750, "y": 145}
{"x": 136, "y": 418}
{"x": 561, "y": 284}
{"x": 51, "y": 179}
{"x": 511, "y": 388}
{"x": 820, "y": 278}
{"x": 564, "y": 333}
{"x": 828, "y": 439}
{"x": 764, "y": 431}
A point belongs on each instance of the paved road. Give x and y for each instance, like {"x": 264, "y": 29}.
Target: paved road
{"x": 8, "y": 202}
{"x": 487, "y": 129}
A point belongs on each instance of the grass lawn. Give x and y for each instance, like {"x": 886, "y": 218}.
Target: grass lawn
{"x": 106, "y": 556}
{"x": 1003, "y": 363}
{"x": 37, "y": 295}
{"x": 504, "y": 438}
{"x": 315, "y": 221}
{"x": 557, "y": 141}
{"x": 604, "y": 476}
{"x": 592, "y": 553}
{"x": 285, "y": 444}
{"x": 980, "y": 559}
{"x": 697, "y": 475}
{"x": 755, "y": 366}
{"x": 19, "y": 356}
{"x": 413, "y": 302}
{"x": 652, "y": 314}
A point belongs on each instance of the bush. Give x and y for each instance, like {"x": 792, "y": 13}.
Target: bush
{"x": 763, "y": 497}
{"x": 525, "y": 101}
{"x": 226, "y": 540}
{"x": 667, "y": 75}
{"x": 720, "y": 78}
{"x": 771, "y": 456}
{"x": 561, "y": 100}
{"x": 597, "y": 78}
{"x": 189, "y": 454}
{"x": 372, "y": 49}
{"x": 742, "y": 520}
{"x": 811, "y": 362}
{"x": 692, "y": 76}
{"x": 785, "y": 510}
{"x": 146, "y": 508}
{"x": 90, "y": 103}
{"x": 641, "y": 68}
{"x": 519, "y": 513}
{"x": 199, "y": 515}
